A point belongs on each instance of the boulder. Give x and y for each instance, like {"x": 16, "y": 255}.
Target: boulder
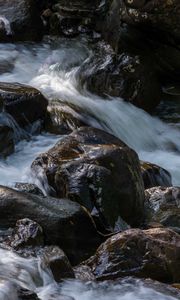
{"x": 163, "y": 206}
{"x": 65, "y": 223}
{"x": 97, "y": 170}
{"x": 62, "y": 119}
{"x": 154, "y": 175}
{"x": 153, "y": 253}
{"x": 6, "y": 141}
{"x": 20, "y": 20}
{"x": 24, "y": 103}
{"x": 128, "y": 76}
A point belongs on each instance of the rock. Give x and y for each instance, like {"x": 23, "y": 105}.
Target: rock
{"x": 163, "y": 206}
{"x": 62, "y": 119}
{"x": 54, "y": 258}
{"x": 26, "y": 233}
{"x": 21, "y": 21}
{"x": 28, "y": 188}
{"x": 128, "y": 76}
{"x": 154, "y": 175}
{"x": 73, "y": 17}
{"x": 156, "y": 15}
{"x": 65, "y": 223}
{"x": 153, "y": 253}
{"x": 6, "y": 141}
{"x": 96, "y": 169}
{"x": 83, "y": 273}
{"x": 26, "y": 104}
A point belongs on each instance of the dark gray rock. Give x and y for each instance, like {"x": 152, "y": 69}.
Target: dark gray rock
{"x": 65, "y": 223}
{"x": 20, "y": 21}
{"x": 24, "y": 103}
{"x": 96, "y": 169}
{"x": 154, "y": 175}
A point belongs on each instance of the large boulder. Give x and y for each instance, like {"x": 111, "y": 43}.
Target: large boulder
{"x": 153, "y": 253}
{"x": 97, "y": 170}
{"x": 126, "y": 75}
{"x": 20, "y": 20}
{"x": 163, "y": 206}
{"x": 24, "y": 103}
{"x": 65, "y": 223}
{"x": 154, "y": 175}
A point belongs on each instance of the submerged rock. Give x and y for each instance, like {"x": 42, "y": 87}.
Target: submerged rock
{"x": 6, "y": 141}
{"x": 154, "y": 175}
{"x": 20, "y": 20}
{"x": 96, "y": 169}
{"x": 24, "y": 103}
{"x": 153, "y": 253}
{"x": 129, "y": 76}
{"x": 65, "y": 223}
{"x": 163, "y": 206}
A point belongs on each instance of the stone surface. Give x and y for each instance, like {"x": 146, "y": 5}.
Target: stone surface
{"x": 153, "y": 253}
{"x": 20, "y": 20}
{"x": 24, "y": 103}
{"x": 26, "y": 233}
{"x": 65, "y": 223}
{"x": 62, "y": 119}
{"x": 163, "y": 206}
{"x": 97, "y": 170}
{"x": 154, "y": 175}
{"x": 129, "y": 76}
{"x": 6, "y": 141}
{"x": 28, "y": 188}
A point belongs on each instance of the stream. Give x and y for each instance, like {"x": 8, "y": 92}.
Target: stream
{"x": 52, "y": 66}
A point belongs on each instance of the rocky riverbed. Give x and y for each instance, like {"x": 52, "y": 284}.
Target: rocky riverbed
{"x": 89, "y": 150}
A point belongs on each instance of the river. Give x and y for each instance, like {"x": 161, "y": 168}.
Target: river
{"x": 52, "y": 66}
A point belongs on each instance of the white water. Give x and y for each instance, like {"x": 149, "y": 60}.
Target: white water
{"x": 17, "y": 272}
{"x": 52, "y": 69}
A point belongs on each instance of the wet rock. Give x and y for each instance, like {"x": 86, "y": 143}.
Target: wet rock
{"x": 26, "y": 233}
{"x": 163, "y": 206}
{"x": 54, "y": 258}
{"x": 153, "y": 253}
{"x": 28, "y": 188}
{"x": 73, "y": 17}
{"x": 154, "y": 175}
{"x": 96, "y": 169}
{"x": 65, "y": 223}
{"x": 62, "y": 119}
{"x": 129, "y": 76}
{"x": 6, "y": 141}
{"x": 24, "y": 103}
{"x": 21, "y": 21}
{"x": 159, "y": 15}
{"x": 84, "y": 273}
{"x": 6, "y": 66}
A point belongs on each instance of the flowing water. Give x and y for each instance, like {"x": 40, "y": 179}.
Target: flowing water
{"x": 52, "y": 67}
